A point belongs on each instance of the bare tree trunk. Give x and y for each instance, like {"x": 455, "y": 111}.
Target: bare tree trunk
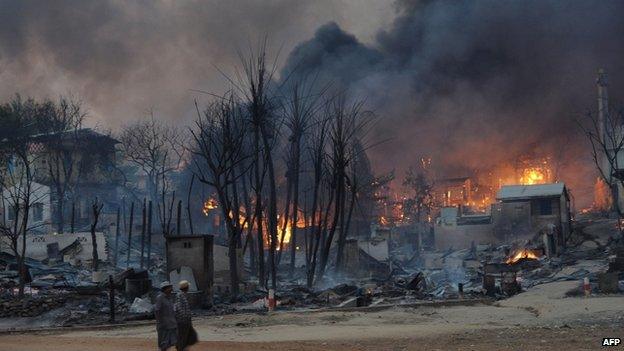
{"x": 347, "y": 224}
{"x": 258, "y": 210}
{"x": 232, "y": 242}
{"x": 319, "y": 236}
{"x": 116, "y": 251}
{"x": 143, "y": 224}
{"x": 130, "y": 234}
{"x": 73, "y": 218}
{"x": 286, "y": 218}
{"x": 293, "y": 237}
{"x": 314, "y": 239}
{"x": 330, "y": 235}
{"x": 22, "y": 257}
{"x": 60, "y": 215}
{"x": 188, "y": 205}
{"x": 342, "y": 234}
{"x": 149, "y": 236}
{"x": 97, "y": 209}
{"x": 272, "y": 208}
{"x": 250, "y": 223}
{"x": 179, "y": 218}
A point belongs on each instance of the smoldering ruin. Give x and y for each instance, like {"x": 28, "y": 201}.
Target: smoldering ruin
{"x": 463, "y": 153}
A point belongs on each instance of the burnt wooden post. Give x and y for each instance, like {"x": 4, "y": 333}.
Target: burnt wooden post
{"x": 143, "y": 235}
{"x": 116, "y": 252}
{"x": 73, "y": 217}
{"x": 111, "y": 294}
{"x": 188, "y": 205}
{"x": 130, "y": 234}
{"x": 179, "y": 224}
{"x": 149, "y": 235}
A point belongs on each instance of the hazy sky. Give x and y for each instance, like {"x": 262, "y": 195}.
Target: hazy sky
{"x": 124, "y": 57}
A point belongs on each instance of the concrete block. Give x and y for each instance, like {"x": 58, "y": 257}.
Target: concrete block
{"x": 608, "y": 282}
{"x": 472, "y": 264}
{"x": 352, "y": 302}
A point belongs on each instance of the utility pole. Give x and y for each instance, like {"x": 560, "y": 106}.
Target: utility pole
{"x": 143, "y": 235}
{"x": 111, "y": 295}
{"x": 116, "y": 252}
{"x": 149, "y": 235}
{"x": 130, "y": 234}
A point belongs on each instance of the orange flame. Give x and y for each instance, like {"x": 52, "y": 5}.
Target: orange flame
{"x": 301, "y": 223}
{"x": 520, "y": 254}
{"x": 383, "y": 220}
{"x": 209, "y": 205}
{"x": 532, "y": 176}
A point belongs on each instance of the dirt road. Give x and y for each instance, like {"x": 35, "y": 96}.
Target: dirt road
{"x": 540, "y": 319}
{"x": 564, "y": 339}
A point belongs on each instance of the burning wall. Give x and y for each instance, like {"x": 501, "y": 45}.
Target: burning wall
{"x": 210, "y": 209}
{"x": 478, "y": 192}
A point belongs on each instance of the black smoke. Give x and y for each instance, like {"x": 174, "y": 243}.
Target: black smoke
{"x": 476, "y": 83}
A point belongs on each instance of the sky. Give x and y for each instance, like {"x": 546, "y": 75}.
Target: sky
{"x": 123, "y": 58}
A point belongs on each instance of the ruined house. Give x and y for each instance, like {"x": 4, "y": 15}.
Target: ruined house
{"x": 457, "y": 231}
{"x": 70, "y": 170}
{"x": 453, "y": 192}
{"x": 521, "y": 213}
{"x": 524, "y": 211}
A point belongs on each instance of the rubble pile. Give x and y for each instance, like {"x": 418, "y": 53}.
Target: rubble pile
{"x": 391, "y": 278}
{"x": 31, "y": 306}
{"x": 91, "y": 310}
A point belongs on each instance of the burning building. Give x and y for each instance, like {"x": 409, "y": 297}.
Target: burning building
{"x": 526, "y": 210}
{"x": 521, "y": 213}
{"x": 453, "y": 192}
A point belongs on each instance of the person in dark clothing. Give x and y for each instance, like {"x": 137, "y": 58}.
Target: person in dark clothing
{"x": 166, "y": 325}
{"x": 186, "y": 335}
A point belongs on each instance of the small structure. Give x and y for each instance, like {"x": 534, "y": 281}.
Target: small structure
{"x": 526, "y": 210}
{"x": 221, "y": 259}
{"x": 456, "y": 231}
{"x": 194, "y": 251}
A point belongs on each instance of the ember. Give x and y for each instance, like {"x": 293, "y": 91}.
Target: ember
{"x": 287, "y": 231}
{"x": 209, "y": 205}
{"x": 534, "y": 170}
{"x": 522, "y": 254}
{"x": 532, "y": 176}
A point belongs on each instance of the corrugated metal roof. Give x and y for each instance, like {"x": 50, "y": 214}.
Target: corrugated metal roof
{"x": 509, "y": 192}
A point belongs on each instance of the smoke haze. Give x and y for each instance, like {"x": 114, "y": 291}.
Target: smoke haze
{"x": 468, "y": 83}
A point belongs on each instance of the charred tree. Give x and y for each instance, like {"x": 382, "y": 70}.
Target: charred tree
{"x": 219, "y": 136}
{"x": 18, "y": 188}
{"x": 131, "y": 224}
{"x": 96, "y": 210}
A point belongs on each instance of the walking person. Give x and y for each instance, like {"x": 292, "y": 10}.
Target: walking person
{"x": 186, "y": 334}
{"x": 166, "y": 325}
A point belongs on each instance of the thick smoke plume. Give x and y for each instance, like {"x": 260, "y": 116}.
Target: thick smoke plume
{"x": 476, "y": 83}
